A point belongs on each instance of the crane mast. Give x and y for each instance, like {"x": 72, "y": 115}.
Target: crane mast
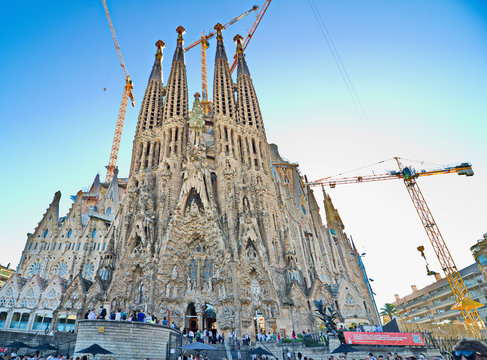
{"x": 464, "y": 302}
{"x": 459, "y": 290}
{"x": 127, "y": 93}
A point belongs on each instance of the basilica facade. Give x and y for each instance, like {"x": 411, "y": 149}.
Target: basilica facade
{"x": 211, "y": 229}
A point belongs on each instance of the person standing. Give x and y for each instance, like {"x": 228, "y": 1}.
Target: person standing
{"x": 140, "y": 316}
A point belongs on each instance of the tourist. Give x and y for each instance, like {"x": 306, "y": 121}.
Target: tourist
{"x": 372, "y": 356}
{"x": 140, "y": 316}
{"x": 470, "y": 349}
{"x": 92, "y": 315}
{"x": 198, "y": 335}
{"x": 123, "y": 315}
{"x": 294, "y": 335}
{"x": 154, "y": 320}
{"x": 148, "y": 318}
{"x": 118, "y": 315}
{"x": 191, "y": 336}
{"x": 164, "y": 322}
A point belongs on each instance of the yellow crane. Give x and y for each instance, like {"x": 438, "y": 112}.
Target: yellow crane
{"x": 409, "y": 175}
{"x": 203, "y": 41}
{"x": 127, "y": 93}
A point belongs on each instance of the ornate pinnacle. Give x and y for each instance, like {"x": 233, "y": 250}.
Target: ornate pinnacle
{"x": 197, "y": 95}
{"x": 219, "y": 27}
{"x": 180, "y": 30}
{"x": 160, "y": 45}
{"x": 238, "y": 39}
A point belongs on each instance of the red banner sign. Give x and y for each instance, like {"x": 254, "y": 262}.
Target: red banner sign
{"x": 3, "y": 350}
{"x": 383, "y": 338}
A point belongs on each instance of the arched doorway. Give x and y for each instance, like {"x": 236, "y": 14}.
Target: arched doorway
{"x": 191, "y": 321}
{"x": 259, "y": 324}
{"x": 209, "y": 317}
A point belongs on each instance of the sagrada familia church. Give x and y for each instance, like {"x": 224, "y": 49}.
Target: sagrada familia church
{"x": 211, "y": 229}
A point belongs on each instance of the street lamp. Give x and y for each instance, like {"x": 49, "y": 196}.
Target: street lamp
{"x": 367, "y": 283}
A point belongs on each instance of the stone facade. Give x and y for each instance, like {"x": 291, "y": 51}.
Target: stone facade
{"x": 126, "y": 340}
{"x": 212, "y": 228}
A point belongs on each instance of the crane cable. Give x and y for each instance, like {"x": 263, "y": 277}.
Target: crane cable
{"x": 344, "y": 74}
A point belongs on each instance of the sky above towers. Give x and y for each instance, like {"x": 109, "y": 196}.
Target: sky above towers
{"x": 420, "y": 70}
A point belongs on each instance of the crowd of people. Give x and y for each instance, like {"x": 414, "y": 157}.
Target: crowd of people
{"x": 121, "y": 315}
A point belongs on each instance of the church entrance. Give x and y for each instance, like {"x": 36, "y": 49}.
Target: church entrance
{"x": 259, "y": 324}
{"x": 209, "y": 317}
{"x": 191, "y": 320}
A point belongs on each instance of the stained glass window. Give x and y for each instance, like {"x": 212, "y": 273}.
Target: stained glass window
{"x": 88, "y": 271}
{"x": 35, "y": 268}
{"x": 193, "y": 270}
{"x": 207, "y": 270}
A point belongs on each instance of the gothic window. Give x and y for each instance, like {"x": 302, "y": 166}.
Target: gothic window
{"x": 349, "y": 300}
{"x": 10, "y": 292}
{"x": 61, "y": 269}
{"x": 35, "y": 268}
{"x": 23, "y": 303}
{"x": 3, "y": 302}
{"x": 30, "y": 293}
{"x": 88, "y": 271}
{"x": 51, "y": 294}
{"x": 93, "y": 233}
{"x": 207, "y": 270}
{"x": 45, "y": 233}
{"x": 193, "y": 270}
{"x": 10, "y": 302}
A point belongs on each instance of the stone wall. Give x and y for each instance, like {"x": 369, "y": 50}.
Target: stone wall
{"x": 63, "y": 341}
{"x": 127, "y": 340}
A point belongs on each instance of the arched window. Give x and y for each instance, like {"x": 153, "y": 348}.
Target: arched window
{"x": 207, "y": 270}
{"x": 69, "y": 233}
{"x": 45, "y": 233}
{"x": 193, "y": 270}
{"x": 93, "y": 233}
{"x": 109, "y": 211}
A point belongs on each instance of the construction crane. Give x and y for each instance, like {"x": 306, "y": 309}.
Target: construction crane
{"x": 464, "y": 302}
{"x": 263, "y": 9}
{"x": 428, "y": 271}
{"x": 203, "y": 41}
{"x": 127, "y": 93}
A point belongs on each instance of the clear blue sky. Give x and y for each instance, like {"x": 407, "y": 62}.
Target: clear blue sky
{"x": 420, "y": 69}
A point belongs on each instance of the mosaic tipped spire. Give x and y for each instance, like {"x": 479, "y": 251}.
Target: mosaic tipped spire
{"x": 220, "y": 48}
{"x": 176, "y": 101}
{"x": 242, "y": 68}
{"x": 179, "y": 53}
{"x": 156, "y": 73}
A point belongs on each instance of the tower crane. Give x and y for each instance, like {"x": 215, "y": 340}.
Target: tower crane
{"x": 409, "y": 175}
{"x": 127, "y": 93}
{"x": 203, "y": 41}
{"x": 262, "y": 11}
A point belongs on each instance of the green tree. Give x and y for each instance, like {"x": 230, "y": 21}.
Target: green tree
{"x": 389, "y": 310}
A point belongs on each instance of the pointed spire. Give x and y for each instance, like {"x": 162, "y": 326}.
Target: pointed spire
{"x": 332, "y": 217}
{"x": 150, "y": 115}
{"x": 220, "y": 48}
{"x": 248, "y": 104}
{"x": 156, "y": 73}
{"x": 176, "y": 103}
{"x": 223, "y": 87}
{"x": 242, "y": 68}
{"x": 179, "y": 53}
